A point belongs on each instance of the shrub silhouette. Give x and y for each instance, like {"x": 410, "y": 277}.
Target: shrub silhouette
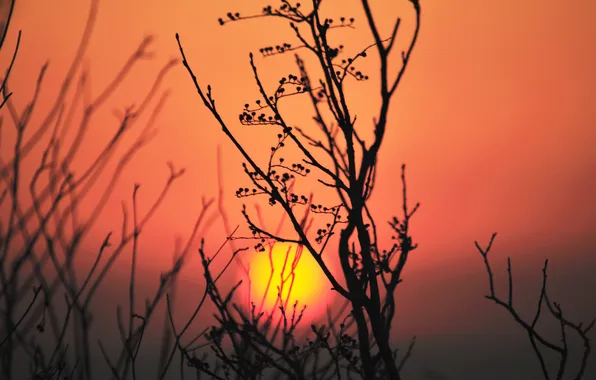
{"x": 539, "y": 341}
{"x": 46, "y": 312}
{"x": 371, "y": 273}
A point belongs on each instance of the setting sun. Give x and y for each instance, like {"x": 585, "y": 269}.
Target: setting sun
{"x": 291, "y": 269}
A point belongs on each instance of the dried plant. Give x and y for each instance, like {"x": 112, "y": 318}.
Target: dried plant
{"x": 42, "y": 228}
{"x": 540, "y": 343}
{"x": 370, "y": 272}
{"x": 4, "y": 24}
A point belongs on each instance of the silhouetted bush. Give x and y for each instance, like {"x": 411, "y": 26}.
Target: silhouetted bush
{"x": 371, "y": 272}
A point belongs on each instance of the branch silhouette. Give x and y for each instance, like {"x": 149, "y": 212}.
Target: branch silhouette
{"x": 372, "y": 307}
{"x": 43, "y": 228}
{"x": 538, "y": 341}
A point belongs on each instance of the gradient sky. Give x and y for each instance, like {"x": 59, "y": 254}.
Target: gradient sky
{"x": 495, "y": 120}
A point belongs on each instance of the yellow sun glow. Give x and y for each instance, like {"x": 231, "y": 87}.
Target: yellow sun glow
{"x": 291, "y": 269}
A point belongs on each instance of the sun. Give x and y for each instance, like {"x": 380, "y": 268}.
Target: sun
{"x": 285, "y": 273}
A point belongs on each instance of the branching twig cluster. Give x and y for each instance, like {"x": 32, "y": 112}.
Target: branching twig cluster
{"x": 42, "y": 228}
{"x": 351, "y": 175}
{"x": 539, "y": 342}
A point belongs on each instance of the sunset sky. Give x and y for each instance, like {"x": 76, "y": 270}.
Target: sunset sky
{"x": 495, "y": 120}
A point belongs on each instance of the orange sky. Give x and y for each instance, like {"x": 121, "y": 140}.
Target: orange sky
{"x": 495, "y": 120}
